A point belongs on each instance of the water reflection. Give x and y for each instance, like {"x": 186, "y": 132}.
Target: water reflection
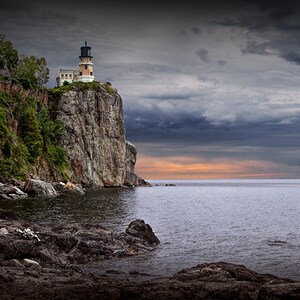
{"x": 105, "y": 206}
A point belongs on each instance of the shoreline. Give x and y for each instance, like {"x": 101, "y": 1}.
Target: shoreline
{"x": 39, "y": 262}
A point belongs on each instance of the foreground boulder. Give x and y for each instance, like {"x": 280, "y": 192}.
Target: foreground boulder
{"x": 34, "y": 187}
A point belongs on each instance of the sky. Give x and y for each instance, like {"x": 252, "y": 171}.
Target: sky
{"x": 211, "y": 89}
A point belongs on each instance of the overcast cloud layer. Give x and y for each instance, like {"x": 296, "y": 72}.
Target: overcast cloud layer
{"x": 206, "y": 83}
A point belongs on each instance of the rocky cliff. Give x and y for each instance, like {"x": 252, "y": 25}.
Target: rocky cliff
{"x": 91, "y": 150}
{"x": 95, "y": 137}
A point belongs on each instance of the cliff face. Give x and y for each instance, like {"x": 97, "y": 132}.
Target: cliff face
{"x": 95, "y": 138}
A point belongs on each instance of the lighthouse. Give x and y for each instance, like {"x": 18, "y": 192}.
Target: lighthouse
{"x": 86, "y": 72}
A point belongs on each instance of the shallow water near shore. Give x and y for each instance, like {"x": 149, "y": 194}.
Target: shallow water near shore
{"x": 250, "y": 222}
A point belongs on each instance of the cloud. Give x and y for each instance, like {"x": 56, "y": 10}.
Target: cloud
{"x": 222, "y": 62}
{"x": 203, "y": 54}
{"x": 255, "y": 48}
{"x": 196, "y": 30}
{"x": 291, "y": 56}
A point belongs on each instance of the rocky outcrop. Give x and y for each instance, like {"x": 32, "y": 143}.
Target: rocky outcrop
{"x": 131, "y": 179}
{"x": 94, "y": 137}
{"x": 40, "y": 262}
{"x": 36, "y": 187}
{"x": 67, "y": 244}
{"x": 138, "y": 228}
{"x": 8, "y": 191}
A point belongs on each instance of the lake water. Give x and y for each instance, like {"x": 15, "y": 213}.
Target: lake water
{"x": 250, "y": 222}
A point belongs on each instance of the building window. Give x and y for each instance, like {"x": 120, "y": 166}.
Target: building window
{"x": 70, "y": 75}
{"x": 86, "y": 66}
{"x": 80, "y": 73}
{"x": 91, "y": 73}
{"x": 62, "y": 75}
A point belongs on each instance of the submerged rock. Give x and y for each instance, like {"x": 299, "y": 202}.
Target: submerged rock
{"x": 36, "y": 187}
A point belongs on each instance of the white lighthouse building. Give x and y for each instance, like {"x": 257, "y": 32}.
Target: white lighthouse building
{"x": 85, "y": 72}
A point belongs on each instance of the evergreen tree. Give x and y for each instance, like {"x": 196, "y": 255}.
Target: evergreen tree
{"x": 31, "y": 134}
{"x": 8, "y": 55}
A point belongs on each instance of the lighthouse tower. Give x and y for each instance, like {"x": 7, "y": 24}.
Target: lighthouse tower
{"x": 86, "y": 72}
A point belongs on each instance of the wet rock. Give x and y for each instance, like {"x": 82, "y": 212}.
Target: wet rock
{"x": 36, "y": 187}
{"x": 29, "y": 263}
{"x": 15, "y": 263}
{"x": 3, "y": 231}
{"x": 170, "y": 184}
{"x": 8, "y": 191}
{"x": 280, "y": 291}
{"x": 53, "y": 269}
{"x": 138, "y": 228}
{"x": 65, "y": 244}
{"x": 72, "y": 189}
{"x": 28, "y": 234}
{"x": 58, "y": 186}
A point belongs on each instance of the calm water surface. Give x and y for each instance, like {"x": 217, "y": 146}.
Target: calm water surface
{"x": 250, "y": 222}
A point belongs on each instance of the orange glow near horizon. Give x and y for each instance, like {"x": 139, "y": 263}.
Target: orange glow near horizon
{"x": 194, "y": 168}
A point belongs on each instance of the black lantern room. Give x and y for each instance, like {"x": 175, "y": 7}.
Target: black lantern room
{"x": 85, "y": 51}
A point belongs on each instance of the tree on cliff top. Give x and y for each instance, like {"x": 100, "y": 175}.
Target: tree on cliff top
{"x": 31, "y": 72}
{"x": 8, "y": 55}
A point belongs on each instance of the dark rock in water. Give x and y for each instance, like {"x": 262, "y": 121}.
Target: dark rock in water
{"x": 170, "y": 184}
{"x": 36, "y": 187}
{"x": 138, "y": 228}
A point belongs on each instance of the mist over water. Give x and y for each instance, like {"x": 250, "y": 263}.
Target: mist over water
{"x": 250, "y": 222}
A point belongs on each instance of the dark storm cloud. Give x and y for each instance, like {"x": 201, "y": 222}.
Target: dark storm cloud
{"x": 263, "y": 141}
{"x": 222, "y": 62}
{"x": 196, "y": 30}
{"x": 292, "y": 56}
{"x": 203, "y": 54}
{"x": 277, "y": 21}
{"x": 255, "y": 48}
{"x": 231, "y": 105}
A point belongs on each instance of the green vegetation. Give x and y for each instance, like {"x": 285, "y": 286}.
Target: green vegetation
{"x": 28, "y": 133}
{"x": 29, "y": 71}
{"x": 84, "y": 86}
{"x": 8, "y": 55}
